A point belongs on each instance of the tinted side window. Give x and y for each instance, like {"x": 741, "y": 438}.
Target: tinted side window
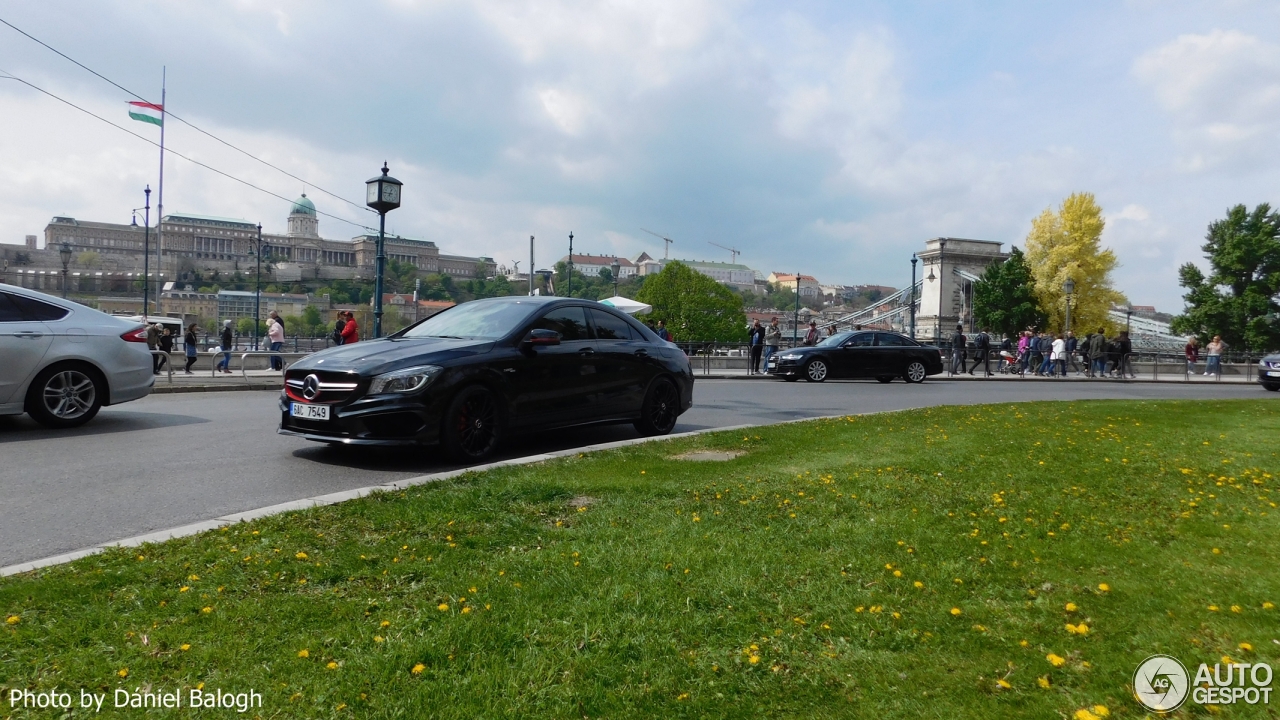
{"x": 570, "y": 322}
{"x": 609, "y": 326}
{"x": 36, "y": 310}
{"x": 8, "y": 311}
{"x": 861, "y": 340}
{"x": 889, "y": 340}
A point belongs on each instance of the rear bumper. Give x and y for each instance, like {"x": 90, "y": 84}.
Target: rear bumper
{"x": 132, "y": 384}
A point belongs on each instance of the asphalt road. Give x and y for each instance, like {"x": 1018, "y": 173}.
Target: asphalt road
{"x": 171, "y": 460}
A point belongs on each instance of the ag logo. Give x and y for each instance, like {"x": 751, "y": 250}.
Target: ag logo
{"x": 1160, "y": 683}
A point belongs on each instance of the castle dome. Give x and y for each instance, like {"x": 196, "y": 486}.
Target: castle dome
{"x": 303, "y": 206}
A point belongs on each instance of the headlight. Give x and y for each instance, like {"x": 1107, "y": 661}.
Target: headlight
{"x": 404, "y": 381}
{"x": 789, "y": 357}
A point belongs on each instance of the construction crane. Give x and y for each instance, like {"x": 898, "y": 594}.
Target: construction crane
{"x": 734, "y": 252}
{"x": 666, "y": 248}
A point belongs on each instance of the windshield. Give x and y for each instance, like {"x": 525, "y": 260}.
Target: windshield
{"x": 474, "y": 320}
{"x": 836, "y": 340}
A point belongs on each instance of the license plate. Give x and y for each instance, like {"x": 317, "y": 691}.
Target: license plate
{"x": 1273, "y": 374}
{"x": 309, "y": 412}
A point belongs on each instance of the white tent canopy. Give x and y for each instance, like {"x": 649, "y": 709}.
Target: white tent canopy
{"x": 627, "y": 305}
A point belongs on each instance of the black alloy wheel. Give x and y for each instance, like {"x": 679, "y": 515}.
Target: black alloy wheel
{"x": 884, "y": 378}
{"x": 815, "y": 370}
{"x": 915, "y": 372}
{"x": 472, "y": 424}
{"x": 660, "y": 410}
{"x": 64, "y": 396}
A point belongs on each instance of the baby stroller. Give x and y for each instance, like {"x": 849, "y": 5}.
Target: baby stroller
{"x": 1010, "y": 364}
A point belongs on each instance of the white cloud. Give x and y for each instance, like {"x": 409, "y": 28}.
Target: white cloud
{"x": 1131, "y": 212}
{"x": 1222, "y": 91}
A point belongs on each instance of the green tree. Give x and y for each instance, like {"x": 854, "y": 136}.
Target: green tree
{"x": 1004, "y": 297}
{"x": 1238, "y": 298}
{"x": 1067, "y": 244}
{"x": 695, "y": 307}
{"x": 311, "y": 320}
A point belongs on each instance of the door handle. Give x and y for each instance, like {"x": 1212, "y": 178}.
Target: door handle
{"x": 587, "y": 351}
{"x": 642, "y": 353}
{"x": 30, "y": 334}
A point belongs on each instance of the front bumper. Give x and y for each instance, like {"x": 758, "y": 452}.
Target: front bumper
{"x": 782, "y": 368}
{"x": 369, "y": 421}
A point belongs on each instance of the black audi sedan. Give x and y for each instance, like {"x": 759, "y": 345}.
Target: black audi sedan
{"x": 862, "y": 354}
{"x": 466, "y": 378}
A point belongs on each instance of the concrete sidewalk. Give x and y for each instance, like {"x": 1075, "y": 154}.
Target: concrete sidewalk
{"x": 203, "y": 382}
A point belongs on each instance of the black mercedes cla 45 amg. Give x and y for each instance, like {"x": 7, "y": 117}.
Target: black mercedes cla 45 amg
{"x": 468, "y": 377}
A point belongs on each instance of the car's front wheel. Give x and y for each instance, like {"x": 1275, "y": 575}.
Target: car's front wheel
{"x": 815, "y": 371}
{"x": 1271, "y": 386}
{"x": 472, "y": 424}
{"x": 65, "y": 396}
{"x": 915, "y": 372}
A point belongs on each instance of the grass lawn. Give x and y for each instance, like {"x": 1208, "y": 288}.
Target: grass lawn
{"x": 978, "y": 562}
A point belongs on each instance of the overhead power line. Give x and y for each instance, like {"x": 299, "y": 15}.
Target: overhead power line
{"x": 175, "y": 117}
{"x": 171, "y": 151}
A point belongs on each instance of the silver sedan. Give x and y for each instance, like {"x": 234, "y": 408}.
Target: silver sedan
{"x": 60, "y": 361}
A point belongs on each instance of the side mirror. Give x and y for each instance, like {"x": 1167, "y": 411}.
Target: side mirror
{"x": 542, "y": 338}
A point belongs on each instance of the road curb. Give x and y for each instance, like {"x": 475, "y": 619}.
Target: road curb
{"x": 345, "y": 495}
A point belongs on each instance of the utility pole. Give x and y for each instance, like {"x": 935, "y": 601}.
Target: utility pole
{"x": 911, "y": 297}
{"x": 530, "y": 266}
{"x": 795, "y": 325}
{"x": 570, "y": 292}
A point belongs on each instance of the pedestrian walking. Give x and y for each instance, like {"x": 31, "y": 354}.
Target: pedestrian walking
{"x": 812, "y": 336}
{"x": 189, "y": 343}
{"x": 1084, "y": 355}
{"x": 1125, "y": 346}
{"x": 755, "y": 346}
{"x": 1024, "y": 352}
{"x": 958, "y": 344}
{"x": 153, "y": 344}
{"x": 226, "y": 341}
{"x": 1215, "y": 348}
{"x": 1072, "y": 347}
{"x": 772, "y": 340}
{"x": 350, "y": 331}
{"x": 1192, "y": 351}
{"x": 982, "y": 352}
{"x": 1058, "y": 354}
{"x": 165, "y": 343}
{"x": 337, "y": 327}
{"x": 1007, "y": 356}
{"x": 663, "y": 332}
{"x": 275, "y": 334}
{"x": 1098, "y": 352}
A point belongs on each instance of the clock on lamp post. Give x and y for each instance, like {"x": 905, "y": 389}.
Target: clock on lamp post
{"x": 383, "y": 195}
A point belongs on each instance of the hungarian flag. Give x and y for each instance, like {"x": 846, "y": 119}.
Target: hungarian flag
{"x": 147, "y": 112}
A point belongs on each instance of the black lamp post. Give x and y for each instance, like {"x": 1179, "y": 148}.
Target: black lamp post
{"x": 911, "y": 297}
{"x": 942, "y": 283}
{"x": 1128, "y": 317}
{"x": 795, "y": 322}
{"x": 257, "y": 287}
{"x": 65, "y": 253}
{"x": 570, "y": 291}
{"x": 383, "y": 195}
{"x": 616, "y": 268}
{"x": 1069, "y": 287}
{"x": 146, "y": 249}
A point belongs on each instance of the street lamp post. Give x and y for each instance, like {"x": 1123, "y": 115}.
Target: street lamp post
{"x": 795, "y": 323}
{"x": 383, "y": 195}
{"x": 942, "y": 283}
{"x": 616, "y": 268}
{"x": 570, "y": 292}
{"x": 146, "y": 249}
{"x": 1069, "y": 287}
{"x": 911, "y": 297}
{"x": 257, "y": 286}
{"x": 65, "y": 252}
{"x": 1128, "y": 318}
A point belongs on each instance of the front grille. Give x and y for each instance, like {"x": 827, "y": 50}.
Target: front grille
{"x": 331, "y": 387}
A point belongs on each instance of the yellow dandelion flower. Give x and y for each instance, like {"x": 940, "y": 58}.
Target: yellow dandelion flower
{"x": 682, "y": 696}
{"x": 1103, "y": 587}
{"x": 443, "y": 607}
{"x": 184, "y": 588}
{"x": 956, "y": 611}
{"x": 958, "y": 581}
{"x": 1003, "y": 684}
{"x": 1071, "y": 628}
{"x": 897, "y": 573}
{"x": 12, "y": 620}
{"x": 332, "y": 665}
{"x": 1043, "y": 681}
{"x": 1071, "y": 607}
{"x": 385, "y": 623}
{"x": 1267, "y": 605}
{"x": 1082, "y": 629}
{"x": 1213, "y": 608}
{"x": 897, "y": 616}
{"x": 754, "y": 659}
{"x": 1101, "y": 711}
{"x": 301, "y": 556}
{"x": 417, "y": 669}
{"x": 1245, "y": 647}
{"x": 304, "y": 653}
{"x": 918, "y": 585}
{"x": 1055, "y": 660}
{"x": 184, "y": 647}
{"x": 466, "y": 610}
{"x": 1023, "y": 643}
{"x": 206, "y": 610}
{"x": 123, "y": 672}
{"x": 1216, "y": 551}
{"x": 1235, "y": 608}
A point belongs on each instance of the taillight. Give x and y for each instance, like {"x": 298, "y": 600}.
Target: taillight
{"x": 136, "y": 335}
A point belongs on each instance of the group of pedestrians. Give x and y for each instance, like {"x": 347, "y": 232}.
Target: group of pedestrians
{"x": 1045, "y": 354}
{"x": 1213, "y": 355}
{"x": 345, "y": 329}
{"x": 763, "y": 341}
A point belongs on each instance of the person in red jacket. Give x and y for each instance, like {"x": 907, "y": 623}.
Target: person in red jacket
{"x": 350, "y": 333}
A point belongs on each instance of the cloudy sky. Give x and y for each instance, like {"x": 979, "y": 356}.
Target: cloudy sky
{"x": 829, "y": 137}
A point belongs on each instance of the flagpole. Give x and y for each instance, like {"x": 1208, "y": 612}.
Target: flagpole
{"x": 160, "y": 208}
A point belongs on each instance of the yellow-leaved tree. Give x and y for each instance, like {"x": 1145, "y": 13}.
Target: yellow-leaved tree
{"x": 1067, "y": 244}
